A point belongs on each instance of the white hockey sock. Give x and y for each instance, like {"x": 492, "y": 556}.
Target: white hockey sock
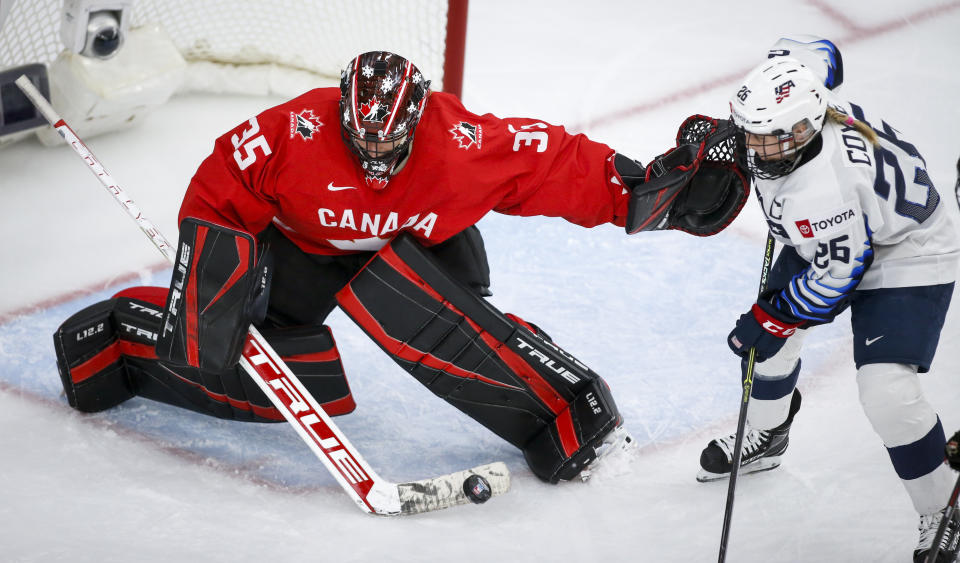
{"x": 764, "y": 413}
{"x": 893, "y": 401}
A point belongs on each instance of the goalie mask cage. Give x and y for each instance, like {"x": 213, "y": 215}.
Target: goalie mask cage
{"x": 317, "y": 36}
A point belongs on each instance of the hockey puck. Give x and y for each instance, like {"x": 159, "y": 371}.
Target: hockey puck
{"x": 477, "y": 489}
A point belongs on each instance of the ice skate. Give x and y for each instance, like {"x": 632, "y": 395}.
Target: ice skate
{"x": 761, "y": 449}
{"x": 929, "y": 523}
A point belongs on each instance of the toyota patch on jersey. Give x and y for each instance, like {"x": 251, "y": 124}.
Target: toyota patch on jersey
{"x": 826, "y": 224}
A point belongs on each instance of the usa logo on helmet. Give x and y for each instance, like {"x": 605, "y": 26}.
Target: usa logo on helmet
{"x": 783, "y": 90}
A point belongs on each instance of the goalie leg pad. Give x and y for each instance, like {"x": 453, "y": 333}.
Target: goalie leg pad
{"x": 590, "y": 416}
{"x": 495, "y": 369}
{"x": 105, "y": 354}
{"x": 90, "y": 360}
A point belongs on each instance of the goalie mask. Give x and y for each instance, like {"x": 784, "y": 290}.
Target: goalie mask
{"x": 382, "y": 97}
{"x": 778, "y": 111}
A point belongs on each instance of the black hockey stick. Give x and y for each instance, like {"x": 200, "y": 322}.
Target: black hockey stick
{"x": 368, "y": 490}
{"x": 744, "y": 403}
{"x": 942, "y": 528}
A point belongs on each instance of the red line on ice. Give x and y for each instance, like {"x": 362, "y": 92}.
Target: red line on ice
{"x": 8, "y": 316}
{"x": 855, "y": 34}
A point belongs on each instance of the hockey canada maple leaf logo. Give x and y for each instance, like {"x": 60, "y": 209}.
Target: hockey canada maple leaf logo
{"x": 304, "y": 123}
{"x": 373, "y": 111}
{"x": 376, "y": 182}
{"x": 467, "y": 134}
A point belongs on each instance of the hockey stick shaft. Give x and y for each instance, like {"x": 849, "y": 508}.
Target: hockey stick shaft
{"x": 942, "y": 528}
{"x": 744, "y": 404}
{"x": 281, "y": 386}
{"x": 162, "y": 244}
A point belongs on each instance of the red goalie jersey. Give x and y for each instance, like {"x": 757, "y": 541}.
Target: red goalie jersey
{"x": 290, "y": 166}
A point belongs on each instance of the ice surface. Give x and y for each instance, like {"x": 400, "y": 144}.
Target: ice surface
{"x": 144, "y": 482}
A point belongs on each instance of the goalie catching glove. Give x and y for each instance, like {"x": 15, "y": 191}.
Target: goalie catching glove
{"x": 695, "y": 187}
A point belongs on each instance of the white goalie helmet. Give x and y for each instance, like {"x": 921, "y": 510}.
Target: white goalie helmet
{"x": 780, "y": 98}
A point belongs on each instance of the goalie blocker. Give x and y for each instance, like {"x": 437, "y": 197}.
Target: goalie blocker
{"x": 502, "y": 372}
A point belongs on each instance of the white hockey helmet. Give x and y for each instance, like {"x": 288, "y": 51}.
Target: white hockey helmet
{"x": 782, "y": 98}
{"x": 820, "y": 55}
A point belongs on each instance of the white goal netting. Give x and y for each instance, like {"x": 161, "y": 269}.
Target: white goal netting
{"x": 318, "y": 36}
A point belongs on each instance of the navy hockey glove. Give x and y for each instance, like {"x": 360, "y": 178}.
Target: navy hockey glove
{"x": 952, "y": 450}
{"x": 764, "y": 328}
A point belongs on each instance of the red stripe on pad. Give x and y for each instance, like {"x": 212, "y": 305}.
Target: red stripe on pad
{"x": 109, "y": 355}
{"x": 350, "y": 303}
{"x": 150, "y": 294}
{"x": 535, "y": 382}
{"x": 190, "y": 297}
{"x": 330, "y": 355}
{"x": 568, "y": 435}
{"x": 94, "y": 365}
{"x": 243, "y": 251}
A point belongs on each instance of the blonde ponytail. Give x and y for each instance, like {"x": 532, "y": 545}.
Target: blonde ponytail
{"x": 843, "y": 119}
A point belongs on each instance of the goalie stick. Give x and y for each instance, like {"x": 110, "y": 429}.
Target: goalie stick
{"x": 368, "y": 490}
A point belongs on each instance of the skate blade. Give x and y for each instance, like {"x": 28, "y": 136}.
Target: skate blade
{"x": 762, "y": 464}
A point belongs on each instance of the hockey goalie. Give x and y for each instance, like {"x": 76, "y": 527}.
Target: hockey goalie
{"x": 366, "y": 197}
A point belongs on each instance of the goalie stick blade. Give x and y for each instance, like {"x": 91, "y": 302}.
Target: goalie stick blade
{"x": 447, "y": 490}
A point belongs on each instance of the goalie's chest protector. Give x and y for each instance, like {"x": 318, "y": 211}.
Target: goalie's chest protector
{"x": 325, "y": 205}
{"x": 461, "y": 166}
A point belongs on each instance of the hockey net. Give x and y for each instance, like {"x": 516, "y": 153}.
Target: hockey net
{"x": 314, "y": 36}
{"x": 269, "y": 47}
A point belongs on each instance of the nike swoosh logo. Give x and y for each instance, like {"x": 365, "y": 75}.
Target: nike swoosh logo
{"x": 333, "y": 188}
{"x": 872, "y": 340}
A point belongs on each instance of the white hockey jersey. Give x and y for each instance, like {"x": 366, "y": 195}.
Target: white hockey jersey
{"x": 864, "y": 216}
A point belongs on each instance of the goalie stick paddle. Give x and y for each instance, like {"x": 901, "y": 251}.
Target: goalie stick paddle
{"x": 367, "y": 489}
{"x": 744, "y": 403}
